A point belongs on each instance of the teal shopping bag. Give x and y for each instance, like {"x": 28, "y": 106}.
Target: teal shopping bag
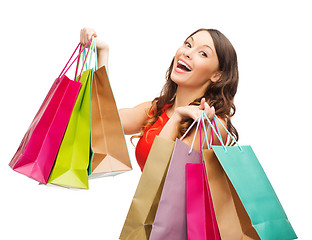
{"x": 254, "y": 191}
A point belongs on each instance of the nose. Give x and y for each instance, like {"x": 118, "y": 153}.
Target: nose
{"x": 188, "y": 53}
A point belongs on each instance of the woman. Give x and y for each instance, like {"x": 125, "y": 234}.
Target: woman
{"x": 203, "y": 72}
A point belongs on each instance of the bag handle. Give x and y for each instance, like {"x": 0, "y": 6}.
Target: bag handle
{"x": 206, "y": 136}
{"x": 198, "y": 120}
{"x": 63, "y": 72}
{"x": 85, "y": 60}
{"x": 204, "y": 115}
{"x": 227, "y": 132}
{"x": 200, "y": 140}
{"x": 89, "y": 57}
{"x": 92, "y": 55}
{"x": 219, "y": 134}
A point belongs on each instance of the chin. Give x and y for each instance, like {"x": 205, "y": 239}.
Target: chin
{"x": 179, "y": 79}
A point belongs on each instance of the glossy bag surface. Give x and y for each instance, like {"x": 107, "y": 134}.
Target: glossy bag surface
{"x": 37, "y": 151}
{"x": 71, "y": 164}
{"x": 201, "y": 219}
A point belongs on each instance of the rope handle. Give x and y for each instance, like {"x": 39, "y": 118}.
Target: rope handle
{"x": 63, "y": 72}
{"x": 92, "y": 56}
{"x": 190, "y": 127}
{"x": 84, "y": 63}
{"x": 219, "y": 134}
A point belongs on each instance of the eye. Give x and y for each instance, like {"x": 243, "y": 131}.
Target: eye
{"x": 203, "y": 54}
{"x": 187, "y": 44}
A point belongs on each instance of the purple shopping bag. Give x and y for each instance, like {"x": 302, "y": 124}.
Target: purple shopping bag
{"x": 37, "y": 151}
{"x": 170, "y": 219}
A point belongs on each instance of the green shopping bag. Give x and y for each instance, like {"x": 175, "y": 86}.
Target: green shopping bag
{"x": 254, "y": 191}
{"x": 71, "y": 165}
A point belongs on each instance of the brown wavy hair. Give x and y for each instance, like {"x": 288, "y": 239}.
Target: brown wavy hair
{"x": 219, "y": 94}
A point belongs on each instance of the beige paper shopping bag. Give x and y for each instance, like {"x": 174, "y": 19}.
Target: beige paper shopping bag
{"x": 138, "y": 224}
{"x": 232, "y": 218}
{"x": 110, "y": 155}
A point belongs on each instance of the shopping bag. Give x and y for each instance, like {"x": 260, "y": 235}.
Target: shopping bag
{"x": 37, "y": 151}
{"x": 170, "y": 219}
{"x": 201, "y": 219}
{"x": 143, "y": 208}
{"x": 232, "y": 218}
{"x": 247, "y": 188}
{"x": 109, "y": 150}
{"x": 72, "y": 161}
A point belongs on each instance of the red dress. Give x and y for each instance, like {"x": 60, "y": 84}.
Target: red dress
{"x": 144, "y": 145}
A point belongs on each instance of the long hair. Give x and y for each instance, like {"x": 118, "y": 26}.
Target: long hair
{"x": 219, "y": 94}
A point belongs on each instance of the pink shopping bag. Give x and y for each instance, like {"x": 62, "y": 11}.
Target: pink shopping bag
{"x": 170, "y": 219}
{"x": 37, "y": 151}
{"x": 201, "y": 219}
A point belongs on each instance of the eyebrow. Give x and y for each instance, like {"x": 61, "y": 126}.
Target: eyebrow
{"x": 203, "y": 45}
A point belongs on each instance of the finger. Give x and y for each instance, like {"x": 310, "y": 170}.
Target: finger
{"x": 86, "y": 34}
{"x": 210, "y": 111}
{"x": 194, "y": 113}
{"x": 82, "y": 35}
{"x": 202, "y": 104}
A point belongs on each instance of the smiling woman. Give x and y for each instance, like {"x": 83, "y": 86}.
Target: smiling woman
{"x": 203, "y": 75}
{"x": 197, "y": 53}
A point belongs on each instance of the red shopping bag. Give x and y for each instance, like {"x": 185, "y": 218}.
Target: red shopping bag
{"x": 37, "y": 151}
{"x": 201, "y": 219}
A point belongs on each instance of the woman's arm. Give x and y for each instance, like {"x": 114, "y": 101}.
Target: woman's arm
{"x": 132, "y": 119}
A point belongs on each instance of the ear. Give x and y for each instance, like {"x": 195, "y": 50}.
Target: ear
{"x": 216, "y": 76}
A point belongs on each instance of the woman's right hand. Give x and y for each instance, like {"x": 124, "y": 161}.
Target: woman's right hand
{"x": 101, "y": 46}
{"x": 87, "y": 33}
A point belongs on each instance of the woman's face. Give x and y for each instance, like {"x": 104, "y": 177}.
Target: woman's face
{"x": 196, "y": 62}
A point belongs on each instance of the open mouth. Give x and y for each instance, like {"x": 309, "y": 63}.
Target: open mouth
{"x": 183, "y": 66}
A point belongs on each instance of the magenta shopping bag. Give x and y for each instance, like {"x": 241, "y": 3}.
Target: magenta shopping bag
{"x": 201, "y": 218}
{"x": 170, "y": 219}
{"x": 37, "y": 151}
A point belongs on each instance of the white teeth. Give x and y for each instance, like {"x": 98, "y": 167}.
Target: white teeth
{"x": 184, "y": 64}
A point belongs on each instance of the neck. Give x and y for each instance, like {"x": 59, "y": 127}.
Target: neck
{"x": 185, "y": 96}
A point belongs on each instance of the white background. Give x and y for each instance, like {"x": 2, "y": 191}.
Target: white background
{"x": 273, "y": 42}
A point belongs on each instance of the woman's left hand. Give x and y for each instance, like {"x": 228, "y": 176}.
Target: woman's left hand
{"x": 183, "y": 113}
{"x": 171, "y": 129}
